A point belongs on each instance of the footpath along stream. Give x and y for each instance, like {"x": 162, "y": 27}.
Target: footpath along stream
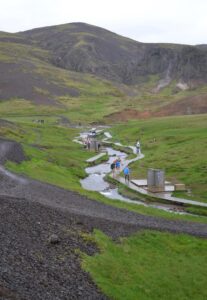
{"x": 95, "y": 180}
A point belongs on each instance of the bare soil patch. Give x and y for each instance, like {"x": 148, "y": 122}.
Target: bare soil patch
{"x": 187, "y": 106}
{"x": 128, "y": 114}
{"x": 21, "y": 81}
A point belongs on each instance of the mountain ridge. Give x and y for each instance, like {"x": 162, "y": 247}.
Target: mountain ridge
{"x": 67, "y": 66}
{"x": 87, "y": 48}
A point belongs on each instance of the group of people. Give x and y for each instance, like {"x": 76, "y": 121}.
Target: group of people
{"x": 87, "y": 143}
{"x": 116, "y": 167}
{"x": 116, "y": 164}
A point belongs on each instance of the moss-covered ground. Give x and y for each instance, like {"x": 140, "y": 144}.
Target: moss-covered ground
{"x": 150, "y": 265}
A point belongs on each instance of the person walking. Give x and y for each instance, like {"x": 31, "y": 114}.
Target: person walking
{"x": 118, "y": 165}
{"x": 138, "y": 147}
{"x": 126, "y": 174}
{"x": 88, "y": 144}
{"x": 113, "y": 165}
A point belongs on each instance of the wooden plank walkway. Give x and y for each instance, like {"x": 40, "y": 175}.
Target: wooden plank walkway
{"x": 94, "y": 158}
{"x": 162, "y": 196}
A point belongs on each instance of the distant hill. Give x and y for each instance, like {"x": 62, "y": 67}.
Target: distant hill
{"x": 74, "y": 65}
{"x": 85, "y": 48}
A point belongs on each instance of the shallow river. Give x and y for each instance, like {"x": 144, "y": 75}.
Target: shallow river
{"x": 95, "y": 181}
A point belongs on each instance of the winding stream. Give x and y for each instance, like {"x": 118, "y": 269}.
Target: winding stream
{"x": 95, "y": 179}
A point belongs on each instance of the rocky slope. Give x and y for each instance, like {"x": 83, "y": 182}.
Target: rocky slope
{"x": 84, "y": 48}
{"x": 27, "y": 73}
{"x": 53, "y": 65}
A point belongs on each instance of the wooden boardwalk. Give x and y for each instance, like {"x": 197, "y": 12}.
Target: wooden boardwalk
{"x": 94, "y": 158}
{"x": 159, "y": 196}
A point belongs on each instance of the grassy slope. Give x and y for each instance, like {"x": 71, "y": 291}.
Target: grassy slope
{"x": 54, "y": 158}
{"x": 13, "y": 51}
{"x": 36, "y": 63}
{"x": 179, "y": 148}
{"x": 150, "y": 265}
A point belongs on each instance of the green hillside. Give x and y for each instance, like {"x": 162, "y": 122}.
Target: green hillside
{"x": 176, "y": 144}
{"x": 33, "y": 86}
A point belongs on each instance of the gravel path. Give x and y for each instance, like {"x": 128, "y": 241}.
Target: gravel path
{"x": 72, "y": 202}
{"x": 30, "y": 212}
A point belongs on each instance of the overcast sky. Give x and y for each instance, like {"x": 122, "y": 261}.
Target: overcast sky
{"x": 173, "y": 21}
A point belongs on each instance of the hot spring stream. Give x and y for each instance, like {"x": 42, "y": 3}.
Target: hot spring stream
{"x": 95, "y": 179}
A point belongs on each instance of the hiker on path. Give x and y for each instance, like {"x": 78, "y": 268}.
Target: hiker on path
{"x": 89, "y": 144}
{"x": 126, "y": 174}
{"x": 138, "y": 147}
{"x": 118, "y": 164}
{"x": 113, "y": 165}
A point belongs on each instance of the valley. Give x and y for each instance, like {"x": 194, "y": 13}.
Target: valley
{"x": 58, "y": 81}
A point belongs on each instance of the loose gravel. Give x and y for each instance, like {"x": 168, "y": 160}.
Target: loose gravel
{"x": 40, "y": 233}
{"x": 33, "y": 267}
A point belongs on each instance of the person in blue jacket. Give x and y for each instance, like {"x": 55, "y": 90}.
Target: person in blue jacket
{"x": 118, "y": 164}
{"x": 126, "y": 174}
